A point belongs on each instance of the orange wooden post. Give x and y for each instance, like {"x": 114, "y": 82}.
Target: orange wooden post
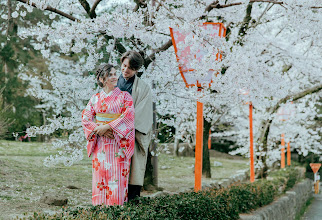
{"x": 251, "y": 150}
{"x": 315, "y": 167}
{"x": 209, "y": 140}
{"x": 288, "y": 154}
{"x": 317, "y": 190}
{"x": 283, "y": 152}
{"x": 198, "y": 149}
{"x": 183, "y": 59}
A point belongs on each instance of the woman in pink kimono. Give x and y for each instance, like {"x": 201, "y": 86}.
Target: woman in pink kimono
{"x": 111, "y": 109}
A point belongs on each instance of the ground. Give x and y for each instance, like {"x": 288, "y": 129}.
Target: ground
{"x": 314, "y": 211}
{"x": 24, "y": 180}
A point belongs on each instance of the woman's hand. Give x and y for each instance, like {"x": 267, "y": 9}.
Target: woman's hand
{"x": 109, "y": 134}
{"x": 101, "y": 130}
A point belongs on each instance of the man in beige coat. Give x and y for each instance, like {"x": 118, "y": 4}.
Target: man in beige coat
{"x": 142, "y": 98}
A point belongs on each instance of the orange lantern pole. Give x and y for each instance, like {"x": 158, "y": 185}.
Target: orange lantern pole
{"x": 182, "y": 55}
{"x": 251, "y": 150}
{"x": 288, "y": 154}
{"x": 209, "y": 140}
{"x": 198, "y": 149}
{"x": 283, "y": 152}
{"x": 251, "y": 138}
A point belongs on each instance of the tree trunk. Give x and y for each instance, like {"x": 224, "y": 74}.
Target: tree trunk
{"x": 154, "y": 159}
{"x": 10, "y": 21}
{"x": 206, "y": 169}
{"x": 151, "y": 172}
{"x": 176, "y": 146}
{"x": 148, "y": 177}
{"x": 246, "y": 21}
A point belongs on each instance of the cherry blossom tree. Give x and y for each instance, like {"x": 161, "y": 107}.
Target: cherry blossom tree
{"x": 271, "y": 48}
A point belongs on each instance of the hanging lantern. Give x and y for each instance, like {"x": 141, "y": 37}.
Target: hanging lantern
{"x": 185, "y": 56}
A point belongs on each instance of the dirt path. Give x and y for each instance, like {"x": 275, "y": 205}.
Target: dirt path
{"x": 25, "y": 181}
{"x": 314, "y": 211}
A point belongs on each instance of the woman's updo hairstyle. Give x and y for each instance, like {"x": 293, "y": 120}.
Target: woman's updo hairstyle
{"x": 103, "y": 71}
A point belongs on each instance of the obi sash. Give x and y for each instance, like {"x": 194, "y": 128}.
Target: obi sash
{"x": 101, "y": 119}
{"x": 104, "y": 118}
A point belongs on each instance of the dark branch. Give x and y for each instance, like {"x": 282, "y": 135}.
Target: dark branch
{"x": 246, "y": 21}
{"x": 48, "y": 8}
{"x": 297, "y": 96}
{"x": 210, "y": 6}
{"x": 267, "y": 123}
{"x": 85, "y": 5}
{"x": 10, "y": 20}
{"x": 226, "y": 6}
{"x": 92, "y": 11}
{"x": 208, "y": 9}
{"x": 274, "y": 109}
{"x": 216, "y": 4}
{"x": 139, "y": 4}
{"x": 150, "y": 58}
{"x": 269, "y": 1}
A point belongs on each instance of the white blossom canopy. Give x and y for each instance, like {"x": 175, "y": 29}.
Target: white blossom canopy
{"x": 273, "y": 49}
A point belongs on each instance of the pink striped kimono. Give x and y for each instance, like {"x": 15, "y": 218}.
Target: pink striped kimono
{"x": 111, "y": 157}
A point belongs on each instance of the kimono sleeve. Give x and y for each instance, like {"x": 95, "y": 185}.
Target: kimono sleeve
{"x": 88, "y": 116}
{"x": 124, "y": 126}
{"x": 125, "y": 123}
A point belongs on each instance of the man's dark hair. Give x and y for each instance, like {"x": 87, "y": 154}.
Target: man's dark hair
{"x": 103, "y": 71}
{"x": 135, "y": 59}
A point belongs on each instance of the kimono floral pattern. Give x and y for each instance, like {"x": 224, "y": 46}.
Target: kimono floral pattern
{"x": 110, "y": 157}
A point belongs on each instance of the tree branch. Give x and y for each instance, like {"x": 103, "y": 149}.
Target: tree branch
{"x": 139, "y": 3}
{"x": 210, "y": 6}
{"x": 158, "y": 7}
{"x": 92, "y": 11}
{"x": 268, "y": 7}
{"x": 297, "y": 96}
{"x": 49, "y": 8}
{"x": 85, "y": 5}
{"x": 269, "y": 1}
{"x": 246, "y": 21}
{"x": 226, "y": 6}
{"x": 266, "y": 124}
{"x": 10, "y": 21}
{"x": 151, "y": 57}
{"x": 216, "y": 4}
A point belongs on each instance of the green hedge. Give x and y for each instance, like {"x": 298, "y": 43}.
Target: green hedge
{"x": 212, "y": 203}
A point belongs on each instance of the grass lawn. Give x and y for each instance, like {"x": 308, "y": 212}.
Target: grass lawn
{"x": 176, "y": 174}
{"x": 24, "y": 180}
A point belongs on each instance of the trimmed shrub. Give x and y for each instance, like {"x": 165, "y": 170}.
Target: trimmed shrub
{"x": 212, "y": 203}
{"x": 290, "y": 176}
